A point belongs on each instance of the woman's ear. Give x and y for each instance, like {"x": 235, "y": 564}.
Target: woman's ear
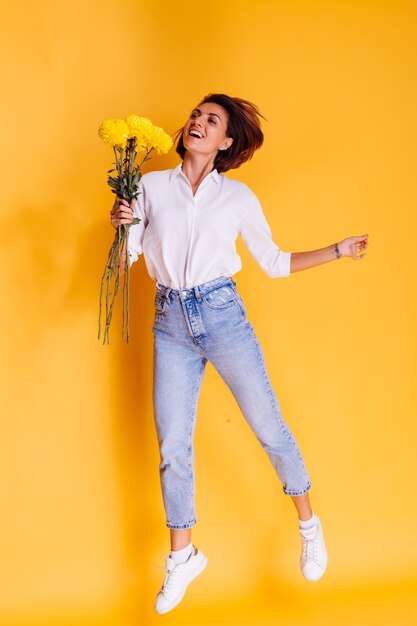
{"x": 227, "y": 144}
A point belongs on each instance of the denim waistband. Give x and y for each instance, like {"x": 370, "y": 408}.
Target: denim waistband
{"x": 198, "y": 290}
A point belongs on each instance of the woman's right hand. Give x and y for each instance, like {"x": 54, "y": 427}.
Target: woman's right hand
{"x": 121, "y": 212}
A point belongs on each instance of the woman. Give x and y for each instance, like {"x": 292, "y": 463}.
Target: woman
{"x": 190, "y": 218}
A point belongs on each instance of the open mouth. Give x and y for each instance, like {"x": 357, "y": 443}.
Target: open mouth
{"x": 195, "y": 133}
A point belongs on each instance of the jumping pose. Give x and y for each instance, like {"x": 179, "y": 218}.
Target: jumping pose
{"x": 190, "y": 218}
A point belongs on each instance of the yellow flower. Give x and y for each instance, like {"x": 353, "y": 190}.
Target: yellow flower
{"x": 159, "y": 139}
{"x": 114, "y": 132}
{"x": 139, "y": 127}
{"x": 137, "y": 124}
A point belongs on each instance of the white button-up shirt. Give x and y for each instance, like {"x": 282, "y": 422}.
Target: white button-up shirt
{"x": 190, "y": 239}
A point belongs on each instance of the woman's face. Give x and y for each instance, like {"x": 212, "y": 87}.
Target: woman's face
{"x": 205, "y": 130}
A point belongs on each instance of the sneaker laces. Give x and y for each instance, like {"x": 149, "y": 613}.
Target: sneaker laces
{"x": 172, "y": 570}
{"x": 309, "y": 537}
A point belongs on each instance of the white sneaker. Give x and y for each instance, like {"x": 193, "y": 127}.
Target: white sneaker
{"x": 313, "y": 560}
{"x": 177, "y": 579}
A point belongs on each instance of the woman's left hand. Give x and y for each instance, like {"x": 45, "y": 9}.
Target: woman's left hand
{"x": 352, "y": 245}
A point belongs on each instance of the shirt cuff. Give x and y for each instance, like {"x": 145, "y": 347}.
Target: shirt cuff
{"x": 286, "y": 264}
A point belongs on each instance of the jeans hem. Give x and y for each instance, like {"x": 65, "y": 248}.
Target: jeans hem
{"x": 291, "y": 492}
{"x": 181, "y": 526}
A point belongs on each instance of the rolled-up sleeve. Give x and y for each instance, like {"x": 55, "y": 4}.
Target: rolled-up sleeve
{"x": 137, "y": 231}
{"x": 256, "y": 234}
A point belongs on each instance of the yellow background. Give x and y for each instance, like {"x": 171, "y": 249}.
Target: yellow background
{"x": 82, "y": 524}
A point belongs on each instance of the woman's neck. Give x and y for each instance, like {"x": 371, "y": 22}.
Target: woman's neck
{"x": 196, "y": 167}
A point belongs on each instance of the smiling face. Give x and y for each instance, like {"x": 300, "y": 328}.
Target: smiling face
{"x": 205, "y": 130}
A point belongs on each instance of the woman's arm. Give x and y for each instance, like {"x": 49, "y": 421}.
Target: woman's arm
{"x": 348, "y": 247}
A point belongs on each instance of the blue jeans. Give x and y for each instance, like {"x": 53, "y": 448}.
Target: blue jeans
{"x": 192, "y": 326}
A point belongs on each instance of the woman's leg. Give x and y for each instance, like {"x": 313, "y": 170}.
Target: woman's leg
{"x": 236, "y": 354}
{"x": 234, "y": 350}
{"x": 303, "y": 506}
{"x": 177, "y": 378}
{"x": 180, "y": 538}
{"x": 178, "y": 373}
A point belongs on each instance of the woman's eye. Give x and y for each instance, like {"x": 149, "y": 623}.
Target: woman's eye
{"x": 212, "y": 121}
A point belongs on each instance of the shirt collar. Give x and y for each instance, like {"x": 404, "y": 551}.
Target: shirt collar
{"x": 178, "y": 170}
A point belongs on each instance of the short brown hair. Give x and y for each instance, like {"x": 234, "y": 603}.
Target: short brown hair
{"x": 243, "y": 126}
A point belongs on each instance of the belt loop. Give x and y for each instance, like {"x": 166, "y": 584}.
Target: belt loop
{"x": 167, "y": 292}
{"x": 197, "y": 293}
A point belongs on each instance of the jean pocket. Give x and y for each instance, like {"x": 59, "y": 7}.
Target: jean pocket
{"x": 160, "y": 303}
{"x": 241, "y": 305}
{"x": 220, "y": 298}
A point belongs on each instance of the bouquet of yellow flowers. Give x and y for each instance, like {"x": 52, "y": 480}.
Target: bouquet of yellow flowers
{"x": 127, "y": 136}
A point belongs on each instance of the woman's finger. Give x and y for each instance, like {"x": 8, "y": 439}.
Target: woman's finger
{"x": 121, "y": 212}
{"x": 118, "y": 222}
{"x": 123, "y": 215}
{"x": 127, "y": 210}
